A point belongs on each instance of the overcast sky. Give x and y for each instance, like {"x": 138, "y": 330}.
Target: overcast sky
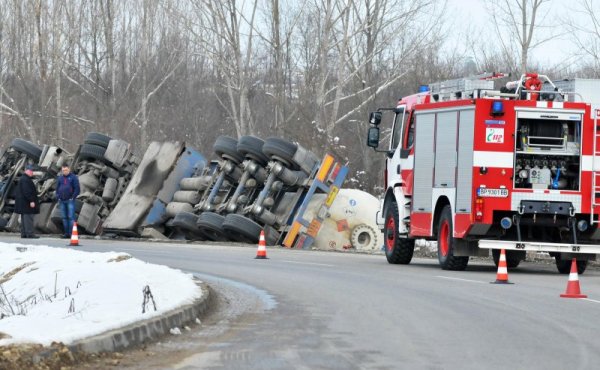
{"x": 472, "y": 14}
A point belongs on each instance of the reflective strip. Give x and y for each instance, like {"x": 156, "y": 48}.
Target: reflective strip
{"x": 325, "y": 166}
{"x": 558, "y": 104}
{"x": 573, "y": 276}
{"x": 291, "y": 235}
{"x": 587, "y": 162}
{"x": 493, "y": 159}
{"x": 541, "y": 104}
{"x": 502, "y": 270}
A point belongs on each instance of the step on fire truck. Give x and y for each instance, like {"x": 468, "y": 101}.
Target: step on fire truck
{"x": 479, "y": 169}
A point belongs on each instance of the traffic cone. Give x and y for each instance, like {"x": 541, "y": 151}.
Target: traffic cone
{"x": 502, "y": 275}
{"x": 74, "y": 236}
{"x": 573, "y": 290}
{"x": 261, "y": 253}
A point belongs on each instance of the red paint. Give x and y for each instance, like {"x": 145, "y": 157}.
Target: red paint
{"x": 390, "y": 233}
{"x": 420, "y": 224}
{"x": 462, "y": 224}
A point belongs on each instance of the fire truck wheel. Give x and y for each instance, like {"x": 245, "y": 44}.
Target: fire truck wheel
{"x": 28, "y": 148}
{"x": 512, "y": 258}
{"x": 210, "y": 225}
{"x": 226, "y": 148}
{"x": 252, "y": 147}
{"x": 564, "y": 266}
{"x": 281, "y": 150}
{"x": 364, "y": 237}
{"x": 241, "y": 229}
{"x": 97, "y": 138}
{"x": 397, "y": 250}
{"x": 445, "y": 241}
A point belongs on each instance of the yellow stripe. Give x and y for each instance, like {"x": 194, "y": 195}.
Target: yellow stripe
{"x": 291, "y": 235}
{"x": 325, "y": 167}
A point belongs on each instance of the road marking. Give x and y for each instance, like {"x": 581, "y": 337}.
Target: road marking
{"x": 459, "y": 279}
{"x": 591, "y": 300}
{"x": 308, "y": 263}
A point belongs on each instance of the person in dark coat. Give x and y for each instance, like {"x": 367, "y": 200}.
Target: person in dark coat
{"x": 67, "y": 189}
{"x": 27, "y": 203}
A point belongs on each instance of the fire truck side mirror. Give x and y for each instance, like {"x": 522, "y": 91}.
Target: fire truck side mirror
{"x": 373, "y": 137}
{"x": 375, "y": 118}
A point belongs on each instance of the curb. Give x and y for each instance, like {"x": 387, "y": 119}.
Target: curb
{"x": 142, "y": 331}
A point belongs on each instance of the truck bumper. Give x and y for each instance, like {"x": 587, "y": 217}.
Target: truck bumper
{"x": 540, "y": 247}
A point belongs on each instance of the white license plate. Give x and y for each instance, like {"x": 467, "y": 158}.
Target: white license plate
{"x": 492, "y": 193}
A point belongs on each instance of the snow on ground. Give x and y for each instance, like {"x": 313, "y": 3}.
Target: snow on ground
{"x": 61, "y": 294}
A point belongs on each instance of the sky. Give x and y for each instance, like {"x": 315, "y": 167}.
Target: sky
{"x": 66, "y": 295}
{"x": 472, "y": 14}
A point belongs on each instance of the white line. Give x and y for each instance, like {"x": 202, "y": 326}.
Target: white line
{"x": 591, "y": 300}
{"x": 308, "y": 263}
{"x": 453, "y": 278}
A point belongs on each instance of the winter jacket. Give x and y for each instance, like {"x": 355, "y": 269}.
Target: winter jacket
{"x": 25, "y": 194}
{"x": 67, "y": 187}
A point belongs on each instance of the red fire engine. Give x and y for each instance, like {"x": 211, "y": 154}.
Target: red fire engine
{"x": 479, "y": 169}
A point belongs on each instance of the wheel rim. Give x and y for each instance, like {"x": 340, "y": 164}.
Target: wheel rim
{"x": 444, "y": 236}
{"x": 390, "y": 231}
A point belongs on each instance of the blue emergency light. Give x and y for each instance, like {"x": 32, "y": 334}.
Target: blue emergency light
{"x": 423, "y": 88}
{"x": 497, "y": 108}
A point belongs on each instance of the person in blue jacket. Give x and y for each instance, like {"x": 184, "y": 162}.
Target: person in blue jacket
{"x": 67, "y": 189}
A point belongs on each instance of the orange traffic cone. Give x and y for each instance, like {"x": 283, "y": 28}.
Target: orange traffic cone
{"x": 502, "y": 275}
{"x": 261, "y": 253}
{"x": 74, "y": 236}
{"x": 573, "y": 290}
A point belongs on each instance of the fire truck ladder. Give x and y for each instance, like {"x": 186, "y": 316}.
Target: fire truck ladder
{"x": 594, "y": 217}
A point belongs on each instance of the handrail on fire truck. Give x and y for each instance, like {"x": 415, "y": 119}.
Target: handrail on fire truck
{"x": 595, "y": 172}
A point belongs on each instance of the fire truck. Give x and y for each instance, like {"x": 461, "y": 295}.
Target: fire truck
{"x": 478, "y": 169}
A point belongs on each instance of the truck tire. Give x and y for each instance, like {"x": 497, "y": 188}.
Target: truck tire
{"x": 364, "y": 237}
{"x": 283, "y": 150}
{"x": 397, "y": 250}
{"x": 241, "y": 228}
{"x": 186, "y": 222}
{"x": 95, "y": 152}
{"x": 96, "y": 138}
{"x": 210, "y": 225}
{"x": 445, "y": 241}
{"x": 252, "y": 147}
{"x": 512, "y": 260}
{"x": 226, "y": 148}
{"x": 564, "y": 266}
{"x": 28, "y": 148}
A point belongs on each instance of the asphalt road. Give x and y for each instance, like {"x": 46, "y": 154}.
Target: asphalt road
{"x": 321, "y": 310}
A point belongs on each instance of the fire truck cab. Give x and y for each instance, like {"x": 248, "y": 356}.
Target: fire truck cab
{"x": 479, "y": 169}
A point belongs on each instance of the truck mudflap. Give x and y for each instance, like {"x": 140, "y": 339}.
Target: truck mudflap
{"x": 540, "y": 246}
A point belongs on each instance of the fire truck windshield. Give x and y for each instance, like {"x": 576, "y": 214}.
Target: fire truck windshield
{"x": 398, "y": 127}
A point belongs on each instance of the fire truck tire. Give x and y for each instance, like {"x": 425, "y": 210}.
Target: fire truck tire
{"x": 364, "y": 237}
{"x": 445, "y": 241}
{"x": 512, "y": 260}
{"x": 282, "y": 150}
{"x": 96, "y": 138}
{"x": 241, "y": 228}
{"x": 397, "y": 250}
{"x": 564, "y": 266}
{"x": 226, "y": 148}
{"x": 27, "y": 147}
{"x": 252, "y": 147}
{"x": 210, "y": 225}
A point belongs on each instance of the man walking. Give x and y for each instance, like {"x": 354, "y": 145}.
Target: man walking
{"x": 27, "y": 203}
{"x": 67, "y": 189}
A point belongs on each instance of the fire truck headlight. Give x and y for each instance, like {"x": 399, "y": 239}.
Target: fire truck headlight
{"x": 506, "y": 223}
{"x": 582, "y": 225}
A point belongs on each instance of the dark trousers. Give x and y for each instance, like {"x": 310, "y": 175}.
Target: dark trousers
{"x": 27, "y": 224}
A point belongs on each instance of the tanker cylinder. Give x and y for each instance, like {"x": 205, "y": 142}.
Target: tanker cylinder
{"x": 288, "y": 176}
{"x": 264, "y": 215}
